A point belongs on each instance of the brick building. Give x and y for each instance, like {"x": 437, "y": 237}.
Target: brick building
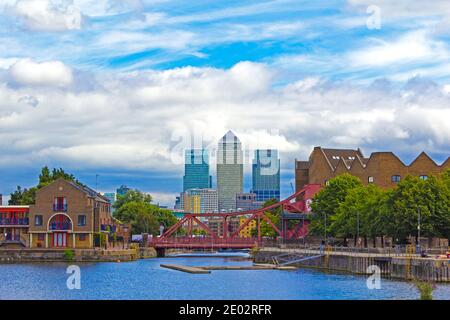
{"x": 384, "y": 169}
{"x": 66, "y": 215}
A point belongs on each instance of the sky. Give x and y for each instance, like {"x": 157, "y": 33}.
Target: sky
{"x": 119, "y": 88}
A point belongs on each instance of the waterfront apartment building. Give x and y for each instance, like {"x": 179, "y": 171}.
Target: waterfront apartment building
{"x": 217, "y": 227}
{"x": 200, "y": 201}
{"x": 384, "y": 169}
{"x": 266, "y": 175}
{"x": 230, "y": 171}
{"x": 68, "y": 215}
{"x": 14, "y": 221}
{"x": 196, "y": 170}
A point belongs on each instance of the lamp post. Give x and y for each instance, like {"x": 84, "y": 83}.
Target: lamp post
{"x": 418, "y": 226}
{"x": 357, "y": 226}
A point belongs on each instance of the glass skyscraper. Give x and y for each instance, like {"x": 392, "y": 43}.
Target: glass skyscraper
{"x": 230, "y": 170}
{"x": 266, "y": 175}
{"x": 196, "y": 170}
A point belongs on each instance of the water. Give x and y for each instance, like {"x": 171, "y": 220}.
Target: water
{"x": 145, "y": 279}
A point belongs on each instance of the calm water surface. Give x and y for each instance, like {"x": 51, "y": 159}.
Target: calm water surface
{"x": 145, "y": 279}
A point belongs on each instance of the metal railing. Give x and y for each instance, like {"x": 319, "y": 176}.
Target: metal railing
{"x": 108, "y": 228}
{"x": 60, "y": 226}
{"x": 396, "y": 251}
{"x": 59, "y": 207}
{"x": 14, "y": 222}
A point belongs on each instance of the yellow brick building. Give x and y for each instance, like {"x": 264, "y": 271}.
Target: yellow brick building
{"x": 246, "y": 232}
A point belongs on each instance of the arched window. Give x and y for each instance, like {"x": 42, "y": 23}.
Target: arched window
{"x": 60, "y": 222}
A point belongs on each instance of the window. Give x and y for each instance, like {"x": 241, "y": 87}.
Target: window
{"x": 60, "y": 204}
{"x": 41, "y": 236}
{"x": 327, "y": 182}
{"x": 81, "y": 220}
{"x": 396, "y": 178}
{"x": 424, "y": 177}
{"x": 82, "y": 237}
{"x": 370, "y": 179}
{"x": 38, "y": 220}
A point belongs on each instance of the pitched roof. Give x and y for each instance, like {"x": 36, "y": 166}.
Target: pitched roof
{"x": 423, "y": 155}
{"x": 347, "y": 156}
{"x": 229, "y": 137}
{"x": 90, "y": 192}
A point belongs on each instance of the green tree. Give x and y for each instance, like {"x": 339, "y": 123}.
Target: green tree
{"x": 136, "y": 208}
{"x": 140, "y": 217}
{"x": 164, "y": 216}
{"x": 132, "y": 196}
{"x": 22, "y": 196}
{"x": 360, "y": 212}
{"x": 326, "y": 203}
{"x": 430, "y": 198}
{"x": 275, "y": 217}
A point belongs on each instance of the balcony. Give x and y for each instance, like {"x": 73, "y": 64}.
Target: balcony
{"x": 55, "y": 226}
{"x": 14, "y": 222}
{"x": 12, "y": 238}
{"x": 108, "y": 228}
{"x": 60, "y": 207}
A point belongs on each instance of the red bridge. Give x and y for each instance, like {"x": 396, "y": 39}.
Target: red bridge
{"x": 295, "y": 207}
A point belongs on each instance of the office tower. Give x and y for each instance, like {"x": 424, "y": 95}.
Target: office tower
{"x": 229, "y": 171}
{"x": 247, "y": 201}
{"x": 196, "y": 170}
{"x": 200, "y": 201}
{"x": 111, "y": 196}
{"x": 266, "y": 175}
{"x": 122, "y": 190}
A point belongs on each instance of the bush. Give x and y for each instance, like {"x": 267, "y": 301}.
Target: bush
{"x": 425, "y": 289}
{"x": 68, "y": 254}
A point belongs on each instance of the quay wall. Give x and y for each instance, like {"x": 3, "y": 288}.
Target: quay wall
{"x": 79, "y": 255}
{"x": 405, "y": 268}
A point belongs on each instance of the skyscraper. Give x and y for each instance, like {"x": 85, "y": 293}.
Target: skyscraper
{"x": 122, "y": 190}
{"x": 230, "y": 170}
{"x": 196, "y": 170}
{"x": 266, "y": 175}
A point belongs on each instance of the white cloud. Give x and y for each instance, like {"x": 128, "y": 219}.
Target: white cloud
{"x": 7, "y": 62}
{"x": 51, "y": 73}
{"x": 447, "y": 88}
{"x": 162, "y": 198}
{"x": 412, "y": 47}
{"x": 48, "y": 15}
{"x": 140, "y": 120}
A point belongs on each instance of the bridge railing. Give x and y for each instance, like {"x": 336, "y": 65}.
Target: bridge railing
{"x": 203, "y": 240}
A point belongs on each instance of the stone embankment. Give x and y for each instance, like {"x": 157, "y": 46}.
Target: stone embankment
{"x": 401, "y": 266}
{"x": 76, "y": 255}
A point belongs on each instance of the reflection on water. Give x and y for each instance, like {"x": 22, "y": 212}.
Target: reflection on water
{"x": 145, "y": 279}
